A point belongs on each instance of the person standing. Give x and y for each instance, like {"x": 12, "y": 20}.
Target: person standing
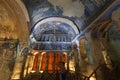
{"x": 62, "y": 71}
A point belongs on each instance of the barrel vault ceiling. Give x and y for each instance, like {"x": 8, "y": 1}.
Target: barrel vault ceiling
{"x": 14, "y": 20}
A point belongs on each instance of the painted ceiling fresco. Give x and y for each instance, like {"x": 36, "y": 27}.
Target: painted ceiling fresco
{"x": 54, "y": 31}
{"x": 6, "y": 25}
{"x": 68, "y": 9}
{"x": 89, "y": 10}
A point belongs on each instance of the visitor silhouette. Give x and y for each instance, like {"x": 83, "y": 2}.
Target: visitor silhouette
{"x": 62, "y": 71}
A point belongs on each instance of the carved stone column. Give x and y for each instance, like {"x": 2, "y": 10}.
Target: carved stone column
{"x": 47, "y": 61}
{"x": 68, "y": 60}
{"x": 54, "y": 62}
{"x": 17, "y": 68}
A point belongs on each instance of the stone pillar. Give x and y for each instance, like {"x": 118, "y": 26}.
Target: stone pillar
{"x": 77, "y": 55}
{"x": 68, "y": 60}
{"x": 17, "y": 68}
{"x": 26, "y": 66}
{"x": 18, "y": 64}
{"x": 96, "y": 53}
{"x": 76, "y": 64}
{"x": 40, "y": 61}
{"x": 47, "y": 59}
{"x": 54, "y": 62}
{"x": 35, "y": 63}
{"x": 6, "y": 64}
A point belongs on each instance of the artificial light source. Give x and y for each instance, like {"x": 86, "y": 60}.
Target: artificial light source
{"x": 71, "y": 65}
{"x": 17, "y": 77}
{"x": 92, "y": 78}
{"x": 32, "y": 71}
{"x": 35, "y": 53}
{"x": 41, "y": 71}
{"x": 43, "y": 53}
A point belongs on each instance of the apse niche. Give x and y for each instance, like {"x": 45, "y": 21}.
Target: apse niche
{"x": 54, "y": 32}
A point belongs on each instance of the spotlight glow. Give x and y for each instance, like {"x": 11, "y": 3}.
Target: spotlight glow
{"x": 92, "y": 78}
{"x": 41, "y": 71}
{"x": 32, "y": 71}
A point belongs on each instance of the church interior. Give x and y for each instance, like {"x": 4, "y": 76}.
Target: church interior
{"x": 59, "y": 39}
